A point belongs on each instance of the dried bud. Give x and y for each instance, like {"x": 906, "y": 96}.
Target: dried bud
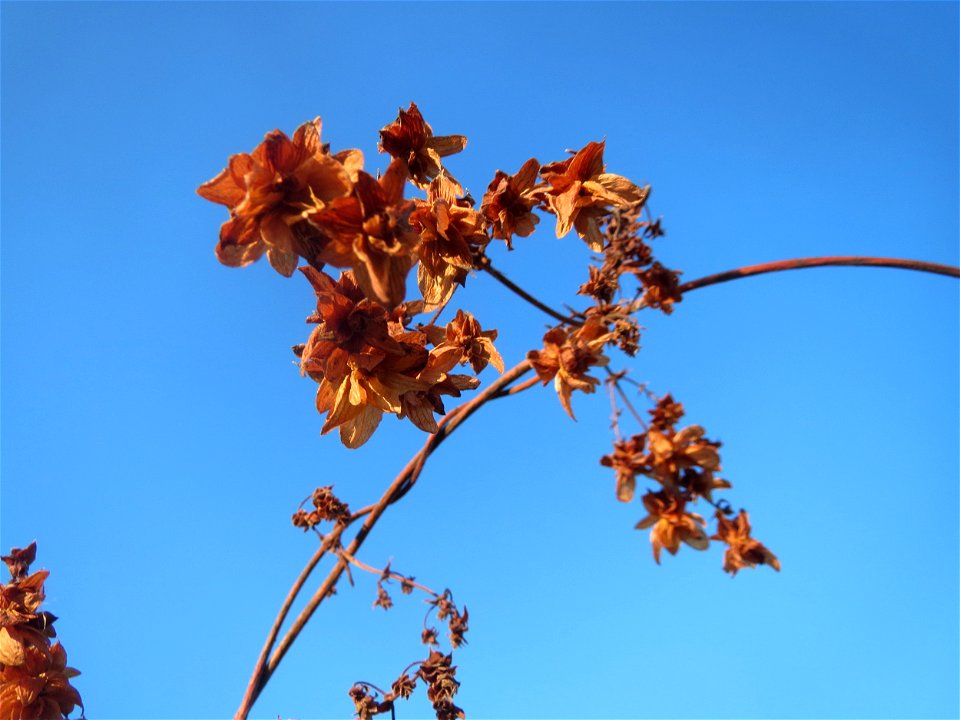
{"x": 429, "y": 636}
{"x": 383, "y": 598}
{"x": 404, "y": 686}
{"x": 743, "y": 550}
{"x": 19, "y": 560}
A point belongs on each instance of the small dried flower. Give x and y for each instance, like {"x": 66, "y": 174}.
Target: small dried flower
{"x": 627, "y": 459}
{"x": 365, "y": 704}
{"x": 451, "y": 234}
{"x": 458, "y": 627}
{"x": 508, "y": 203}
{"x": 410, "y": 139}
{"x": 743, "y": 550}
{"x": 672, "y": 524}
{"x": 580, "y": 193}
{"x": 403, "y": 686}
{"x": 19, "y": 560}
{"x": 473, "y": 344}
{"x": 661, "y": 287}
{"x": 602, "y": 285}
{"x": 438, "y": 672}
{"x": 429, "y": 636}
{"x": 566, "y": 357}
{"x": 383, "y": 598}
{"x": 666, "y": 414}
{"x": 34, "y": 676}
{"x": 370, "y": 233}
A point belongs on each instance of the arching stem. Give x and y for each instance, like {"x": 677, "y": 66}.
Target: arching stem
{"x": 811, "y": 262}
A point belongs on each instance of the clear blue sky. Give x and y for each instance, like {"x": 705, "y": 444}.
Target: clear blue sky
{"x": 156, "y": 435}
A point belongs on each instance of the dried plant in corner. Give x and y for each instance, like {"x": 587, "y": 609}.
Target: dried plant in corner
{"x": 34, "y": 677}
{"x": 374, "y": 350}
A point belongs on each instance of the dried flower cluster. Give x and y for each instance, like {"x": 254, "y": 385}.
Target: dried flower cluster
{"x": 626, "y": 252}
{"x": 684, "y": 463}
{"x": 34, "y": 677}
{"x": 326, "y": 506}
{"x": 438, "y": 674}
{"x": 292, "y": 198}
{"x": 436, "y": 671}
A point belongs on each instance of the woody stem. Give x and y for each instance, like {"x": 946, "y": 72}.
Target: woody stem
{"x": 402, "y": 484}
{"x": 801, "y": 263}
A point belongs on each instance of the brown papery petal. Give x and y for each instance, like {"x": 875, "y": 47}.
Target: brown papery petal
{"x": 697, "y": 542}
{"x": 527, "y": 175}
{"x": 352, "y": 161}
{"x": 277, "y": 152}
{"x": 325, "y": 177}
{"x": 357, "y": 431}
{"x": 240, "y": 243}
{"x": 589, "y": 230}
{"x": 588, "y": 162}
{"x": 436, "y": 290}
{"x": 394, "y": 181}
{"x": 447, "y": 144}
{"x": 565, "y": 207}
{"x": 563, "y": 392}
{"x": 617, "y": 190}
{"x": 420, "y": 412}
{"x": 12, "y": 651}
{"x": 626, "y": 485}
{"x": 307, "y": 136}
{"x": 495, "y": 358}
{"x": 222, "y": 189}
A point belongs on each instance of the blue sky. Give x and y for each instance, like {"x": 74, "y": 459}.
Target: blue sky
{"x": 156, "y": 436}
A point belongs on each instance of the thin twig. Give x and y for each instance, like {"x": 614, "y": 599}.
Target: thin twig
{"x": 485, "y": 264}
{"x": 393, "y": 575}
{"x": 633, "y": 411}
{"x": 614, "y": 411}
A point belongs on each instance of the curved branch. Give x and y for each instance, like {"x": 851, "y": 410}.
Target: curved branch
{"x": 801, "y": 263}
{"x": 331, "y": 539}
{"x": 398, "y": 488}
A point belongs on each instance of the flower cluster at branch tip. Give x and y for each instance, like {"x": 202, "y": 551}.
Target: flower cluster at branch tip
{"x": 436, "y": 671}
{"x": 684, "y": 463}
{"x": 293, "y": 198}
{"x": 34, "y": 677}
